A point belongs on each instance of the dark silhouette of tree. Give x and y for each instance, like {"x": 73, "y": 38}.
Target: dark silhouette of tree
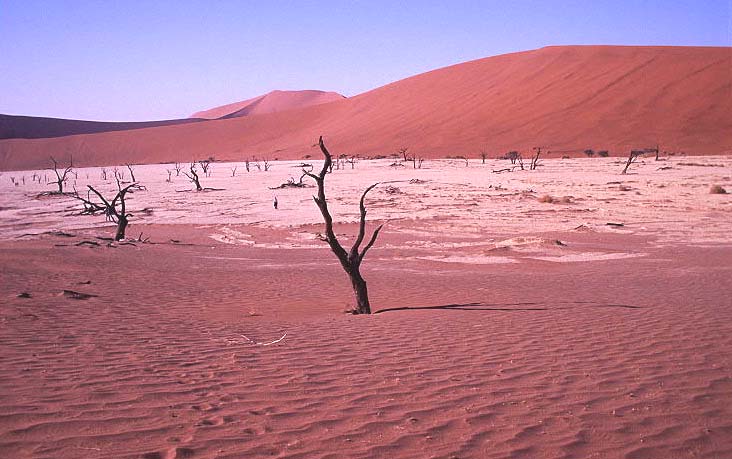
{"x": 61, "y": 175}
{"x": 193, "y": 176}
{"x": 114, "y": 209}
{"x": 350, "y": 260}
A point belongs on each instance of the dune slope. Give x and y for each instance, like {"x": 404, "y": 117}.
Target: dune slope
{"x": 565, "y": 99}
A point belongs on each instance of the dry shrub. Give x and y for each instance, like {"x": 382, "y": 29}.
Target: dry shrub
{"x": 547, "y": 199}
{"x": 717, "y": 189}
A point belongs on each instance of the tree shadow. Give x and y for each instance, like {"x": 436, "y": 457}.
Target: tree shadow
{"x": 504, "y": 307}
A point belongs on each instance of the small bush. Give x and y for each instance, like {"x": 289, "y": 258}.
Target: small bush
{"x": 717, "y": 189}
{"x": 603, "y": 153}
{"x": 547, "y": 199}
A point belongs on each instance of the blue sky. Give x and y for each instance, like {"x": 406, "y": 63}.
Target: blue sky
{"x": 137, "y": 60}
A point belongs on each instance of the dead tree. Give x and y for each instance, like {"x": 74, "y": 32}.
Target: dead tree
{"x": 169, "y": 174}
{"x": 653, "y": 150}
{"x": 632, "y": 157}
{"x": 90, "y": 207}
{"x": 483, "y": 156}
{"x": 233, "y": 171}
{"x": 178, "y": 167}
{"x": 61, "y": 176}
{"x": 132, "y": 173}
{"x": 205, "y": 165}
{"x": 350, "y": 260}
{"x": 193, "y": 176}
{"x": 535, "y": 159}
{"x": 513, "y": 156}
{"x": 115, "y": 210}
{"x": 266, "y": 163}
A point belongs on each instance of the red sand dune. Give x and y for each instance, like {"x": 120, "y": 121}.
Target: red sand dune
{"x": 33, "y": 127}
{"x": 272, "y": 102}
{"x": 564, "y": 98}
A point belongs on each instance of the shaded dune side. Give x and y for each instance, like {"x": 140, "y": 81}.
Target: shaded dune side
{"x": 563, "y": 98}
{"x": 33, "y": 127}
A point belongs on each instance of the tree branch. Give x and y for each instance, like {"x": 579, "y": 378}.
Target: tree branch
{"x": 362, "y": 224}
{"x": 371, "y": 243}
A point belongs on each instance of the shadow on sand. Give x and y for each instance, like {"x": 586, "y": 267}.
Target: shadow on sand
{"x": 508, "y": 307}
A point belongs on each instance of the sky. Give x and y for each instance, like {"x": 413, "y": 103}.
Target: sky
{"x": 146, "y": 60}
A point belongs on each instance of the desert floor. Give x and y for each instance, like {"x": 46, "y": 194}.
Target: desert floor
{"x": 514, "y": 321}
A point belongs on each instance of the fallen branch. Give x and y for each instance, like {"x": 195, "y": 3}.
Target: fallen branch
{"x": 251, "y": 341}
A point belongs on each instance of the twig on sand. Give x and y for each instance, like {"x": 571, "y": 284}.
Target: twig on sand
{"x": 251, "y": 341}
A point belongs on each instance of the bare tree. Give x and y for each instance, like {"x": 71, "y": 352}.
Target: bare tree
{"x": 170, "y": 172}
{"x": 178, "y": 167}
{"x": 653, "y": 150}
{"x": 246, "y": 164}
{"x": 535, "y": 159}
{"x": 132, "y": 173}
{"x": 193, "y": 176}
{"x": 350, "y": 260}
{"x": 266, "y": 163}
{"x": 115, "y": 210}
{"x": 61, "y": 176}
{"x": 632, "y": 157}
{"x": 205, "y": 165}
{"x": 589, "y": 153}
{"x": 513, "y": 156}
{"x": 520, "y": 160}
{"x": 483, "y": 156}
{"x": 233, "y": 171}
{"x": 104, "y": 174}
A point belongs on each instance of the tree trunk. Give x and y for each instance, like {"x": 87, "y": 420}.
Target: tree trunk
{"x": 362, "y": 296}
{"x": 121, "y": 227}
{"x": 60, "y": 184}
